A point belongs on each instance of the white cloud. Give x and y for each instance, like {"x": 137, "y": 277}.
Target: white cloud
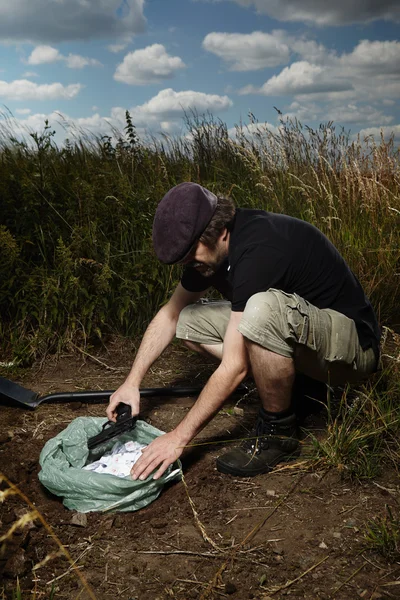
{"x": 342, "y": 114}
{"x": 339, "y": 12}
{"x": 168, "y": 105}
{"x": 371, "y": 71}
{"x": 23, "y": 89}
{"x": 387, "y": 132}
{"x": 148, "y": 65}
{"x": 75, "y": 61}
{"x": 44, "y": 21}
{"x": 115, "y": 48}
{"x": 302, "y": 78}
{"x": 253, "y": 131}
{"x": 246, "y": 52}
{"x": 120, "y": 44}
{"x": 44, "y": 55}
{"x": 164, "y": 112}
{"x": 47, "y": 54}
{"x": 29, "y": 74}
{"x": 259, "y": 50}
{"x": 23, "y": 111}
{"x": 309, "y": 50}
{"x": 374, "y": 56}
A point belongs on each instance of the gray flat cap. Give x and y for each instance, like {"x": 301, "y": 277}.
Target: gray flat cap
{"x": 180, "y": 219}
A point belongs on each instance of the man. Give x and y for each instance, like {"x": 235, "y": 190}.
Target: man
{"x": 294, "y": 305}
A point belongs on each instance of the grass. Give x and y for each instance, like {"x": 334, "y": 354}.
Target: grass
{"x": 75, "y": 228}
{"x": 363, "y": 430}
{"x": 382, "y": 535}
{"x": 10, "y": 489}
{"x": 18, "y": 594}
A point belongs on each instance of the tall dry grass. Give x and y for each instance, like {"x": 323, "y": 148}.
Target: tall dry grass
{"x": 75, "y": 226}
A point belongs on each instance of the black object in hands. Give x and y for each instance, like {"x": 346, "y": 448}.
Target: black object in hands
{"x": 125, "y": 422}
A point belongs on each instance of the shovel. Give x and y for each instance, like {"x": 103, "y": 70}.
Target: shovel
{"x": 13, "y": 393}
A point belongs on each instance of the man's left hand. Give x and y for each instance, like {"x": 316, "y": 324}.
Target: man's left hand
{"x": 163, "y": 451}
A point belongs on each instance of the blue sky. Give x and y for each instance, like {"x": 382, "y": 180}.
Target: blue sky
{"x": 90, "y": 60}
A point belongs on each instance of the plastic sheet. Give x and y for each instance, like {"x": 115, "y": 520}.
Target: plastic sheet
{"x": 64, "y": 456}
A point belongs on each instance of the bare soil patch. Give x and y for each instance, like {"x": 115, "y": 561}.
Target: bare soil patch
{"x": 289, "y": 533}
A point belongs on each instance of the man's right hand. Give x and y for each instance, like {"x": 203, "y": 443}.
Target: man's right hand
{"x": 127, "y": 394}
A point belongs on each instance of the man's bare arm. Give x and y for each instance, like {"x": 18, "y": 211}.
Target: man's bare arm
{"x": 158, "y": 335}
{"x": 167, "y": 448}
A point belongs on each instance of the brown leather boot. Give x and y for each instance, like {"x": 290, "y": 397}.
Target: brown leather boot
{"x": 273, "y": 440}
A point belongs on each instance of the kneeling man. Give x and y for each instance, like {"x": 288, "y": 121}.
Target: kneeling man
{"x": 292, "y": 305}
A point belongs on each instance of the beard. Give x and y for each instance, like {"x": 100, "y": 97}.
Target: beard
{"x": 212, "y": 265}
{"x": 205, "y": 269}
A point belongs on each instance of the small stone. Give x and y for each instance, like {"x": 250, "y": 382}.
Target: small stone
{"x": 5, "y": 437}
{"x": 238, "y": 411}
{"x": 323, "y": 546}
{"x": 76, "y": 406}
{"x": 8, "y": 518}
{"x": 108, "y": 524}
{"x": 276, "y": 549}
{"x": 79, "y": 519}
{"x": 271, "y": 493}
{"x": 278, "y": 558}
{"x": 263, "y": 579}
{"x": 350, "y": 523}
{"x": 159, "y": 524}
{"x": 337, "y": 535}
{"x": 20, "y": 512}
{"x": 118, "y": 522}
{"x": 230, "y": 588}
{"x": 16, "y": 565}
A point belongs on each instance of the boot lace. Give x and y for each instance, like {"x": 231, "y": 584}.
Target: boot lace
{"x": 259, "y": 436}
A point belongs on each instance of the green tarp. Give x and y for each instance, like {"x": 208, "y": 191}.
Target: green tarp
{"x": 63, "y": 457}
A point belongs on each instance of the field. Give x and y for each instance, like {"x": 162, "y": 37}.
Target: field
{"x": 79, "y": 283}
{"x": 300, "y": 532}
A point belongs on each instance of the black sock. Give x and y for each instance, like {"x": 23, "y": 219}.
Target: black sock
{"x": 269, "y": 416}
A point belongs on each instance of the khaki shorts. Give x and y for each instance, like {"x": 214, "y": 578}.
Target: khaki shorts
{"x": 322, "y": 342}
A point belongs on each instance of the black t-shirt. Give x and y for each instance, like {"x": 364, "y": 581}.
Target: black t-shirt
{"x": 269, "y": 250}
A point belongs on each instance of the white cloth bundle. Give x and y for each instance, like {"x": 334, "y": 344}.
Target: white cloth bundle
{"x": 119, "y": 460}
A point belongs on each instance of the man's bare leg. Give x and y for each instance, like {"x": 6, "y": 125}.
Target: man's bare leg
{"x": 274, "y": 438}
{"x": 214, "y": 350}
{"x": 274, "y": 376}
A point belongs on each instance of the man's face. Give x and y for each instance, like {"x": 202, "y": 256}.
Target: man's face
{"x": 207, "y": 260}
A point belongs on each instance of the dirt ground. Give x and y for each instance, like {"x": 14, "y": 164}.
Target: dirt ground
{"x": 290, "y": 533}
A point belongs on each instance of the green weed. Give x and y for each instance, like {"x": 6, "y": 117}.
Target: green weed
{"x": 361, "y": 431}
{"x": 382, "y": 535}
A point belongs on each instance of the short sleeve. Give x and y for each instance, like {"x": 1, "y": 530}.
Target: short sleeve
{"x": 257, "y": 270}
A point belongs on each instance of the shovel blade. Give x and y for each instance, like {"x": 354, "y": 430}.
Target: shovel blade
{"x": 12, "y": 393}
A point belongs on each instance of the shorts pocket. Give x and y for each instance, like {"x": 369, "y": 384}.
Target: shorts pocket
{"x": 343, "y": 342}
{"x": 299, "y": 322}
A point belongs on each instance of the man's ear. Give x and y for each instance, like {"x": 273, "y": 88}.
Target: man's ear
{"x": 224, "y": 234}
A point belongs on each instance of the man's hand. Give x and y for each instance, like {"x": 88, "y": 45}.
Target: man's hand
{"x": 127, "y": 394}
{"x": 163, "y": 451}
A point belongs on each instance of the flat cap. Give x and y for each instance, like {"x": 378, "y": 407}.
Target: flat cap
{"x": 180, "y": 219}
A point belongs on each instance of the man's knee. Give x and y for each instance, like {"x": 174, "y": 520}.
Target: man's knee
{"x": 264, "y": 306}
{"x": 265, "y": 321}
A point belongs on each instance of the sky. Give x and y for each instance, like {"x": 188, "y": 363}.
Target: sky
{"x": 83, "y": 63}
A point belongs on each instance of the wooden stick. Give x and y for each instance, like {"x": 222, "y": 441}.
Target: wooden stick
{"x": 289, "y": 583}
{"x": 349, "y": 578}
